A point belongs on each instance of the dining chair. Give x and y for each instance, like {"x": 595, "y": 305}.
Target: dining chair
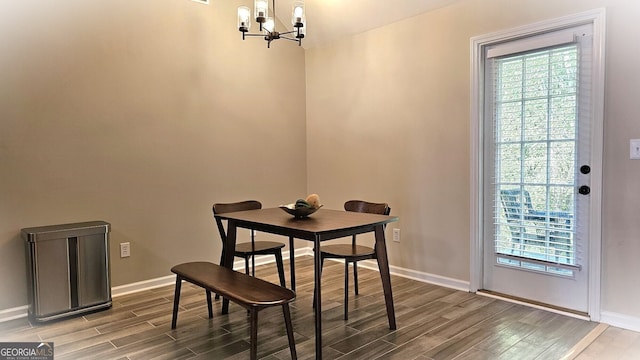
{"x": 248, "y": 250}
{"x": 517, "y": 207}
{"x": 352, "y": 253}
{"x": 528, "y": 227}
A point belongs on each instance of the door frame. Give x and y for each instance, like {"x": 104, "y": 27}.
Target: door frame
{"x": 597, "y": 18}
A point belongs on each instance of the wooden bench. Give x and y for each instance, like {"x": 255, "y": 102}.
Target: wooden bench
{"x": 249, "y": 292}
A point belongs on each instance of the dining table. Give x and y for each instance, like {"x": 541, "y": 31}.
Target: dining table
{"x": 323, "y": 225}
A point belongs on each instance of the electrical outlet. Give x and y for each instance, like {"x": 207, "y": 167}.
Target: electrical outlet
{"x": 396, "y": 235}
{"x": 634, "y": 149}
{"x": 125, "y": 250}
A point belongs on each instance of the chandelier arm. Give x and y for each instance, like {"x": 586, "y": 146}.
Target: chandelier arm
{"x": 288, "y": 38}
{"x": 253, "y": 34}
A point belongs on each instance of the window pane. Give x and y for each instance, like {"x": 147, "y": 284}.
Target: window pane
{"x": 538, "y": 196}
{"x": 510, "y": 122}
{"x": 561, "y": 198}
{"x": 564, "y": 72}
{"x": 510, "y": 86}
{"x": 509, "y": 163}
{"x": 537, "y": 75}
{"x": 561, "y": 162}
{"x": 535, "y": 163}
{"x": 535, "y": 126}
{"x": 563, "y": 117}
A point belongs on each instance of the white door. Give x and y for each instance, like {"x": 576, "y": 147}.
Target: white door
{"x": 536, "y": 171}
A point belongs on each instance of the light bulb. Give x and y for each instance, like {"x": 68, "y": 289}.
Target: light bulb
{"x": 244, "y": 24}
{"x": 261, "y": 10}
{"x": 269, "y": 25}
{"x": 297, "y": 14}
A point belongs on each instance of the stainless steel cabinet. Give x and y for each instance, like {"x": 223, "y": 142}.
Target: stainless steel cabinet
{"x": 67, "y": 269}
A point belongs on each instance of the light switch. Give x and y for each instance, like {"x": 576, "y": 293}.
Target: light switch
{"x": 634, "y": 149}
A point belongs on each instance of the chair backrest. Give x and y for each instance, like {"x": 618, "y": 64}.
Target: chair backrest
{"x": 220, "y": 208}
{"x": 366, "y": 207}
{"x": 516, "y": 203}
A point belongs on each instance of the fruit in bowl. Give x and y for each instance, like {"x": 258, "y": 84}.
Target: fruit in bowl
{"x": 313, "y": 200}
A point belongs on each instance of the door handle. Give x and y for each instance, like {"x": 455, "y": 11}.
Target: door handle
{"x": 584, "y": 190}
{"x": 585, "y": 169}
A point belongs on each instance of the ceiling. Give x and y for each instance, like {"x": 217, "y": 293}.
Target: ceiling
{"x": 328, "y": 20}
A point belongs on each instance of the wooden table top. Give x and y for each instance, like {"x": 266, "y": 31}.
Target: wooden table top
{"x": 324, "y": 223}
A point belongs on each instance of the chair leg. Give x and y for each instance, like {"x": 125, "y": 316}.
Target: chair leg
{"x": 254, "y": 334}
{"x": 292, "y": 263}
{"x": 176, "y": 302}
{"x": 253, "y": 265}
{"x": 346, "y": 289}
{"x": 280, "y": 264}
{"x": 209, "y": 305}
{"x": 289, "y": 326}
{"x": 246, "y": 264}
{"x": 355, "y": 276}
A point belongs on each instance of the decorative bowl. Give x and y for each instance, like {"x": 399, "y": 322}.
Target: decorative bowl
{"x": 299, "y": 213}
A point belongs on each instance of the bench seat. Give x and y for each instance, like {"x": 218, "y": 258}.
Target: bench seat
{"x": 249, "y": 292}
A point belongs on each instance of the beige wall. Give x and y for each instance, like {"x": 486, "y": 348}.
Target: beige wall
{"x": 388, "y": 120}
{"x": 140, "y": 113}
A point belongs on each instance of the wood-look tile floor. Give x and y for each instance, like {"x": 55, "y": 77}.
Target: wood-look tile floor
{"x": 433, "y": 323}
{"x": 613, "y": 344}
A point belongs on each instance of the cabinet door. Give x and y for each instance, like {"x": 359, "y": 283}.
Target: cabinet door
{"x": 93, "y": 270}
{"x": 52, "y": 287}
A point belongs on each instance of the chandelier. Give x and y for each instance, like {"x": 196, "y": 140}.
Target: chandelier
{"x": 268, "y": 25}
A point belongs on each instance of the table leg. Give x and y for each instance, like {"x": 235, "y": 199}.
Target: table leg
{"x": 318, "y": 309}
{"x": 383, "y": 265}
{"x": 292, "y": 263}
{"x": 230, "y": 245}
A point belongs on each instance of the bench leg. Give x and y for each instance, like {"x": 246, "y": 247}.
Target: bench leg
{"x": 225, "y": 306}
{"x": 225, "y": 302}
{"x": 209, "y": 306}
{"x": 289, "y": 326}
{"x": 254, "y": 333}
{"x": 221, "y": 262}
{"x": 176, "y": 301}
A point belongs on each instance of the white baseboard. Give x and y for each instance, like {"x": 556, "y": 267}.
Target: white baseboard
{"x": 419, "y": 276}
{"x": 142, "y": 285}
{"x": 620, "y": 320}
{"x": 607, "y": 317}
{"x": 13, "y": 313}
